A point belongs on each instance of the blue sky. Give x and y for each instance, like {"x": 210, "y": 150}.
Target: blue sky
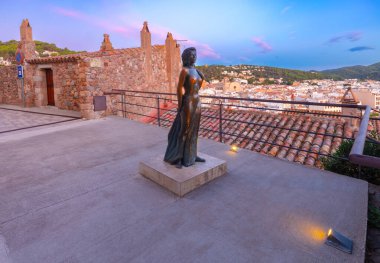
{"x": 297, "y": 34}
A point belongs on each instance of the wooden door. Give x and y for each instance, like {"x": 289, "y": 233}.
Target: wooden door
{"x": 50, "y": 87}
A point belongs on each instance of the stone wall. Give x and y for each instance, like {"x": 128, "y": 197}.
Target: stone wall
{"x": 123, "y": 70}
{"x": 10, "y": 93}
{"x": 78, "y": 78}
{"x": 69, "y": 79}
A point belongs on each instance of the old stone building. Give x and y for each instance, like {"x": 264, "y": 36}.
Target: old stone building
{"x": 72, "y": 81}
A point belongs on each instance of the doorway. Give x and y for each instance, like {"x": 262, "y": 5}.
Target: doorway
{"x": 50, "y": 87}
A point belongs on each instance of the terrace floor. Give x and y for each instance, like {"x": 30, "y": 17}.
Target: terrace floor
{"x": 15, "y": 118}
{"x": 72, "y": 193}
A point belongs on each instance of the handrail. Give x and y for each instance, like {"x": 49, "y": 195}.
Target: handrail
{"x": 257, "y": 100}
{"x": 356, "y": 155}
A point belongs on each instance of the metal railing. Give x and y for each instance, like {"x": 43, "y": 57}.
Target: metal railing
{"x": 356, "y": 155}
{"x": 219, "y": 107}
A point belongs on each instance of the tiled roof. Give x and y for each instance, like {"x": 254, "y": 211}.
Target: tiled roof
{"x": 56, "y": 59}
{"x": 158, "y": 47}
{"x": 120, "y": 51}
{"x": 276, "y": 134}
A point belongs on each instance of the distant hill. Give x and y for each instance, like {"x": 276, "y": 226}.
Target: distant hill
{"x": 356, "y": 72}
{"x": 8, "y": 49}
{"x": 257, "y": 72}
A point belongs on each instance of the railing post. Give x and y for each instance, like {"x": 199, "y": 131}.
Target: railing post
{"x": 158, "y": 111}
{"x": 220, "y": 122}
{"x": 122, "y": 105}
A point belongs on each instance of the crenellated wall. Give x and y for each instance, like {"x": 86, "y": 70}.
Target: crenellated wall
{"x": 123, "y": 69}
{"x": 77, "y": 78}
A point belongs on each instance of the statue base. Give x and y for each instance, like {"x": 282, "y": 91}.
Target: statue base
{"x": 182, "y": 181}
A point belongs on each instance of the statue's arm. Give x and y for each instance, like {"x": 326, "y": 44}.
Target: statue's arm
{"x": 181, "y": 83}
{"x": 202, "y": 76}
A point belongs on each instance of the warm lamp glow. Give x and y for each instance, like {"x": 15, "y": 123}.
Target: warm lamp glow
{"x": 339, "y": 241}
{"x": 317, "y": 233}
{"x": 234, "y": 148}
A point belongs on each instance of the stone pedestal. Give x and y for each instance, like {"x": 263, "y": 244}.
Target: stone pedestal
{"x": 182, "y": 181}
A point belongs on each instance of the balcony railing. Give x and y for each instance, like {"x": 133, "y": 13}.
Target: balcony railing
{"x": 152, "y": 102}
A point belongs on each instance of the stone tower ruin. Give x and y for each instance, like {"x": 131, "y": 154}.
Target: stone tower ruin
{"x": 106, "y": 44}
{"x": 26, "y": 40}
{"x": 146, "y": 45}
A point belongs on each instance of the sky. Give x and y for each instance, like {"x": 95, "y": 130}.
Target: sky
{"x": 298, "y": 34}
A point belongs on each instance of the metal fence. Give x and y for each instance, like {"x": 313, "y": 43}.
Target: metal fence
{"x": 152, "y": 101}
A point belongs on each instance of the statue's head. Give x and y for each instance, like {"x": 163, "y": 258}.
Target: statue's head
{"x": 189, "y": 56}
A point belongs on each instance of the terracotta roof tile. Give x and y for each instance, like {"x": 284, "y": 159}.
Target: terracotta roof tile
{"x": 56, "y": 59}
{"x": 300, "y": 138}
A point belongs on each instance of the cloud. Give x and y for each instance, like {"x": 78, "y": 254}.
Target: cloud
{"x": 264, "y": 46}
{"x": 350, "y": 36}
{"x": 246, "y": 59}
{"x": 131, "y": 29}
{"x": 361, "y": 48}
{"x": 203, "y": 50}
{"x": 285, "y": 9}
{"x": 69, "y": 13}
{"x": 126, "y": 30}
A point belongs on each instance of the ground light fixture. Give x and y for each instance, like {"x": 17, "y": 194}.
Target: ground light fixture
{"x": 234, "y": 148}
{"x": 339, "y": 241}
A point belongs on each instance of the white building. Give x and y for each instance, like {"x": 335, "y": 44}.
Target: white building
{"x": 4, "y": 62}
{"x": 368, "y": 97}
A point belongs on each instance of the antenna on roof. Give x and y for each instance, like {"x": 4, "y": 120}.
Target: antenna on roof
{"x": 181, "y": 40}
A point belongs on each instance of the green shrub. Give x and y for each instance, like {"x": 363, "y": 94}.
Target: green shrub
{"x": 335, "y": 165}
{"x": 373, "y": 216}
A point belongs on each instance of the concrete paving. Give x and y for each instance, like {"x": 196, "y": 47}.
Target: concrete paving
{"x": 74, "y": 195}
{"x": 16, "y": 118}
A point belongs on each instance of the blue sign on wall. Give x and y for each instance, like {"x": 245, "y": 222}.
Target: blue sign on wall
{"x": 19, "y": 56}
{"x": 20, "y": 72}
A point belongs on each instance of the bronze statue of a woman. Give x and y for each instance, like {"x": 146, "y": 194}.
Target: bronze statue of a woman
{"x": 183, "y": 135}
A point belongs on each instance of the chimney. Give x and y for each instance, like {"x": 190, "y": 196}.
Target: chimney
{"x": 106, "y": 44}
{"x": 145, "y": 36}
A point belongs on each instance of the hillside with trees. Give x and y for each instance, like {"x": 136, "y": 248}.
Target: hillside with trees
{"x": 356, "y": 72}
{"x": 254, "y": 73}
{"x": 8, "y": 49}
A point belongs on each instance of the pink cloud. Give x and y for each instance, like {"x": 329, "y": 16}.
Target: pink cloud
{"x": 159, "y": 32}
{"x": 95, "y": 21}
{"x": 69, "y": 13}
{"x": 132, "y": 29}
{"x": 264, "y": 46}
{"x": 110, "y": 27}
{"x": 203, "y": 49}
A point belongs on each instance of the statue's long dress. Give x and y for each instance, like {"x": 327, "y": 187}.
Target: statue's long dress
{"x": 183, "y": 138}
